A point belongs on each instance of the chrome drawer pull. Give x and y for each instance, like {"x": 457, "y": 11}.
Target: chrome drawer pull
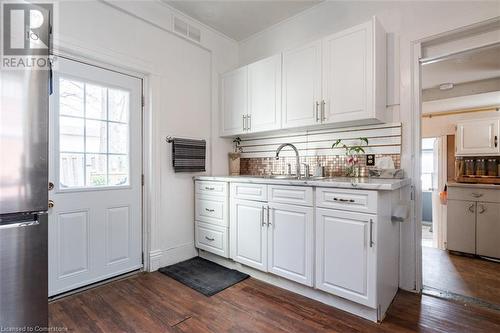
{"x": 477, "y": 195}
{"x": 483, "y": 209}
{"x": 343, "y": 200}
{"x": 209, "y": 188}
{"x": 210, "y": 239}
{"x": 210, "y": 210}
{"x": 471, "y": 208}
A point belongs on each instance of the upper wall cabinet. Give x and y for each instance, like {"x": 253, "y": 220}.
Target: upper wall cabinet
{"x": 264, "y": 95}
{"x": 354, "y": 75}
{"x": 478, "y": 137}
{"x": 234, "y": 101}
{"x": 302, "y": 86}
{"x": 337, "y": 81}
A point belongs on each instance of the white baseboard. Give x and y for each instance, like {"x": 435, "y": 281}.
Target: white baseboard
{"x": 320, "y": 296}
{"x": 161, "y": 258}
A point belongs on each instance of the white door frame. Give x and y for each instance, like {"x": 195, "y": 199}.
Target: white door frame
{"x": 416, "y": 129}
{"x": 71, "y": 49}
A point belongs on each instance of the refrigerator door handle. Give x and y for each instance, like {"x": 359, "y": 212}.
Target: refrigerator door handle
{"x": 20, "y": 224}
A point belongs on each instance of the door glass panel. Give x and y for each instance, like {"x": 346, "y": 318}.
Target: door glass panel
{"x": 95, "y": 102}
{"x": 96, "y": 136}
{"x": 71, "y": 170}
{"x": 93, "y": 135}
{"x": 70, "y": 97}
{"x": 71, "y": 137}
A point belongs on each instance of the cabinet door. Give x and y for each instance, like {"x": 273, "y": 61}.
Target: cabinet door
{"x": 248, "y": 231}
{"x": 461, "y": 226}
{"x": 234, "y": 101}
{"x": 488, "y": 229}
{"x": 345, "y": 255}
{"x": 302, "y": 86}
{"x": 264, "y": 80}
{"x": 290, "y": 242}
{"x": 478, "y": 137}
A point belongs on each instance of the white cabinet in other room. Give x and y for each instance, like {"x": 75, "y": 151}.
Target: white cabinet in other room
{"x": 354, "y": 75}
{"x": 290, "y": 242}
{"x": 488, "y": 229}
{"x": 264, "y": 95}
{"x": 477, "y": 137}
{"x": 461, "y": 226}
{"x": 346, "y": 255}
{"x": 302, "y": 86}
{"x": 248, "y": 230}
{"x": 234, "y": 101}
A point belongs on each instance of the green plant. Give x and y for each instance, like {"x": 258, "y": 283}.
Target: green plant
{"x": 351, "y": 153}
{"x": 237, "y": 142}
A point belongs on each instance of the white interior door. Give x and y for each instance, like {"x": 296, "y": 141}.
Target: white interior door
{"x": 438, "y": 183}
{"x": 95, "y": 228}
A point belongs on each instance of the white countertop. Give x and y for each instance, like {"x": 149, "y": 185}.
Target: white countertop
{"x": 340, "y": 182}
{"x": 474, "y": 185}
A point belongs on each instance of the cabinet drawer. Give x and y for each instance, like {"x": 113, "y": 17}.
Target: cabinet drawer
{"x": 212, "y": 188}
{"x": 473, "y": 194}
{"x": 353, "y": 200}
{"x": 295, "y": 195}
{"x": 257, "y": 192}
{"x": 211, "y": 238}
{"x": 211, "y": 209}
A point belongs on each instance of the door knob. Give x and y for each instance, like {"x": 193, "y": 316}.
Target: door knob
{"x": 51, "y": 186}
{"x": 51, "y": 203}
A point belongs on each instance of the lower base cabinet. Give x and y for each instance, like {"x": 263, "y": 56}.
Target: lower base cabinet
{"x": 346, "y": 255}
{"x": 211, "y": 238}
{"x": 461, "y": 226}
{"x": 488, "y": 229}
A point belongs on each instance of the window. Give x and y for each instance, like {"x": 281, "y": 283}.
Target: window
{"x": 93, "y": 135}
{"x": 427, "y": 166}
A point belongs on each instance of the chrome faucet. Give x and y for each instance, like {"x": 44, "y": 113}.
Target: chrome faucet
{"x": 297, "y": 163}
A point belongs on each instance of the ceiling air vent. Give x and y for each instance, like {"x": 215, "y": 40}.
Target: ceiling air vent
{"x": 187, "y": 30}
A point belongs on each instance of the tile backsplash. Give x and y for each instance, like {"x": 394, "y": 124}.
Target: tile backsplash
{"x": 335, "y": 165}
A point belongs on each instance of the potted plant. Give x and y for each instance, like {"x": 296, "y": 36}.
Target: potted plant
{"x": 352, "y": 155}
{"x": 234, "y": 158}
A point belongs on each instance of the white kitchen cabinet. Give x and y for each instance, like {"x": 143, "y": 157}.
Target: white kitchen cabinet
{"x": 488, "y": 229}
{"x": 302, "y": 86}
{"x": 346, "y": 255}
{"x": 234, "y": 101}
{"x": 354, "y": 75}
{"x": 477, "y": 137}
{"x": 248, "y": 233}
{"x": 290, "y": 242}
{"x": 461, "y": 226}
{"x": 264, "y": 95}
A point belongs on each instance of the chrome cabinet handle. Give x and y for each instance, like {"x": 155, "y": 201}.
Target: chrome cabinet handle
{"x": 471, "y": 208}
{"x": 210, "y": 239}
{"x": 371, "y": 233}
{"x": 323, "y": 117}
{"x": 210, "y": 210}
{"x": 343, "y": 200}
{"x": 244, "y": 123}
{"x": 19, "y": 224}
{"x": 263, "y": 223}
{"x": 268, "y": 219}
{"x": 483, "y": 209}
{"x": 249, "y": 122}
{"x": 477, "y": 195}
{"x": 317, "y": 111}
{"x": 496, "y": 141}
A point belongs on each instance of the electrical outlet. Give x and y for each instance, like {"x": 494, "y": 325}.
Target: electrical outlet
{"x": 370, "y": 159}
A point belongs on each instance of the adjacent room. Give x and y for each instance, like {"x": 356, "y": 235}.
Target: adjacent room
{"x": 249, "y": 166}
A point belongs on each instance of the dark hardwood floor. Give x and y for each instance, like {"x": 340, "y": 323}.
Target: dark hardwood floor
{"x": 152, "y": 302}
{"x": 461, "y": 275}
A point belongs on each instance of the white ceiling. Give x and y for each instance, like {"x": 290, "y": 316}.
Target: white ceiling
{"x": 240, "y": 19}
{"x": 462, "y": 103}
{"x": 481, "y": 65}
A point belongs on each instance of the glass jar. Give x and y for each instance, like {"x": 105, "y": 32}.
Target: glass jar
{"x": 492, "y": 167}
{"x": 459, "y": 168}
{"x": 469, "y": 167}
{"x": 480, "y": 167}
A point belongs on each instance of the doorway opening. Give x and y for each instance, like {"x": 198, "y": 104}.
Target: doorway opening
{"x": 460, "y": 176}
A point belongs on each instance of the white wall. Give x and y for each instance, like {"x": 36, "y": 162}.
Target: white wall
{"x": 181, "y": 98}
{"x": 445, "y": 125}
{"x": 405, "y": 22}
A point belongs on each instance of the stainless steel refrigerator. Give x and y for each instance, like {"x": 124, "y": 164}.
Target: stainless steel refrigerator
{"x": 23, "y": 198}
